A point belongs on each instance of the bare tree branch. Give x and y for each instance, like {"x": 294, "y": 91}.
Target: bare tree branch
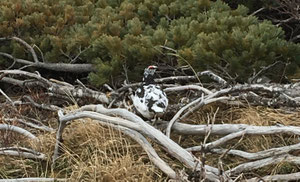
{"x": 153, "y": 156}
{"x": 139, "y": 125}
{"x": 41, "y": 106}
{"x": 1, "y": 91}
{"x": 213, "y": 76}
{"x": 264, "y": 69}
{"x": 29, "y": 47}
{"x": 54, "y": 87}
{"x": 63, "y": 67}
{"x": 262, "y": 154}
{"x": 277, "y": 177}
{"x": 18, "y": 130}
{"x": 187, "y": 87}
{"x": 248, "y": 166}
{"x": 140, "y": 131}
{"x": 22, "y": 152}
{"x": 218, "y": 142}
{"x": 226, "y": 129}
{"x": 179, "y": 78}
{"x": 42, "y": 127}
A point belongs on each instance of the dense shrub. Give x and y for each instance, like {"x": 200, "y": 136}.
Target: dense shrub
{"x": 252, "y": 5}
{"x": 130, "y": 32}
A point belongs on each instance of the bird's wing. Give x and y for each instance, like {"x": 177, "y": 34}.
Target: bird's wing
{"x": 139, "y": 103}
{"x": 155, "y": 98}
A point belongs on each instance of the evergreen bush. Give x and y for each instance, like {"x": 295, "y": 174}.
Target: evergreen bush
{"x": 130, "y": 32}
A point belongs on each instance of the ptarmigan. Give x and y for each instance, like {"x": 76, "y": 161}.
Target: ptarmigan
{"x": 149, "y": 99}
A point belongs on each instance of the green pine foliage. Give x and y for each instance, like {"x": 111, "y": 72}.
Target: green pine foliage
{"x": 130, "y": 32}
{"x": 252, "y": 5}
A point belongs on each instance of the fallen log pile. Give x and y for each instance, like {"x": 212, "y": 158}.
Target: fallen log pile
{"x": 114, "y": 109}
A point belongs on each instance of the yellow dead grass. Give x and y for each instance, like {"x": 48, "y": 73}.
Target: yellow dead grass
{"x": 262, "y": 116}
{"x": 259, "y": 116}
{"x": 95, "y": 153}
{"x": 92, "y": 152}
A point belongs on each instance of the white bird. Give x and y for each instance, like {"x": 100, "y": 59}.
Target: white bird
{"x": 149, "y": 99}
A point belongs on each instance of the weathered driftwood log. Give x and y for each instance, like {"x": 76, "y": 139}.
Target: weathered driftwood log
{"x": 277, "y": 177}
{"x": 226, "y": 129}
{"x": 63, "y": 67}
{"x": 133, "y": 122}
{"x": 60, "y": 88}
{"x": 154, "y": 157}
{"x": 22, "y": 152}
{"x": 30, "y": 124}
{"x": 249, "y": 166}
{"x": 18, "y": 130}
{"x": 286, "y": 95}
{"x": 135, "y": 127}
{"x": 132, "y": 133}
{"x": 261, "y": 154}
{"x": 179, "y": 78}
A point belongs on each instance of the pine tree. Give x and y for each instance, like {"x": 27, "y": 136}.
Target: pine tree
{"x": 130, "y": 32}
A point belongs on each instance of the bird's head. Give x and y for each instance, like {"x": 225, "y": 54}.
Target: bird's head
{"x": 150, "y": 70}
{"x": 149, "y": 74}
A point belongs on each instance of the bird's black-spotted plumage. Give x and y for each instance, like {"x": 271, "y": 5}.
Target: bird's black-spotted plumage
{"x": 149, "y": 99}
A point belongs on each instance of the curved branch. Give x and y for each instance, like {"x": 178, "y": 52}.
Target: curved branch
{"x": 42, "y": 127}
{"x": 25, "y": 73}
{"x": 56, "y": 87}
{"x": 150, "y": 151}
{"x": 187, "y": 87}
{"x": 217, "y": 96}
{"x": 22, "y": 152}
{"x": 177, "y": 115}
{"x": 225, "y": 129}
{"x": 113, "y": 122}
{"x": 63, "y": 67}
{"x": 218, "y": 142}
{"x": 200, "y": 102}
{"x": 18, "y": 130}
{"x": 29, "y": 47}
{"x": 139, "y": 125}
{"x": 248, "y": 166}
{"x": 213, "y": 76}
{"x": 261, "y": 154}
{"x": 278, "y": 177}
{"x": 178, "y": 78}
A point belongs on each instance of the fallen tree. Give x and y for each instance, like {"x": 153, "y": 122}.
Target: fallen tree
{"x": 64, "y": 67}
{"x": 111, "y": 112}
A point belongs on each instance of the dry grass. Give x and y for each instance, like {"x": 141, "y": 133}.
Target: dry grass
{"x": 92, "y": 152}
{"x": 95, "y": 153}
{"x": 260, "y": 116}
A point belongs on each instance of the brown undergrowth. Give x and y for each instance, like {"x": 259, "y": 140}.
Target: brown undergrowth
{"x": 259, "y": 116}
{"x": 92, "y": 152}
